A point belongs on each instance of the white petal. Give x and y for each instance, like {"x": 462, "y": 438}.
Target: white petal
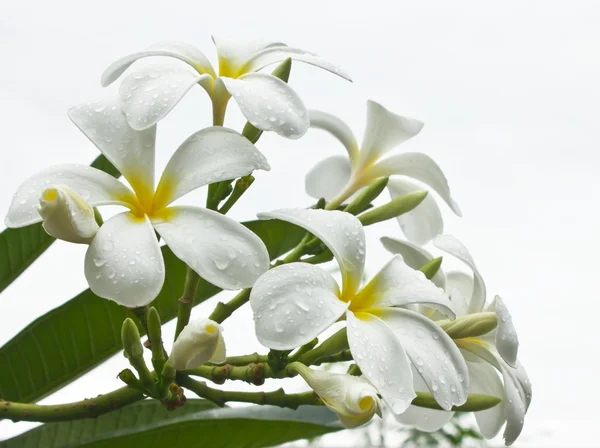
{"x": 147, "y": 95}
{"x": 424, "y": 222}
{"x": 337, "y": 128}
{"x": 233, "y": 54}
{"x": 130, "y": 151}
{"x": 328, "y": 177}
{"x": 269, "y": 104}
{"x": 279, "y": 53}
{"x": 293, "y": 304}
{"x": 180, "y": 50}
{"x": 459, "y": 286}
{"x": 207, "y": 156}
{"x": 219, "y": 249}
{"x": 384, "y": 131}
{"x": 94, "y": 186}
{"x": 381, "y": 358}
{"x": 219, "y": 355}
{"x": 124, "y": 262}
{"x": 420, "y": 167}
{"x": 414, "y": 256}
{"x": 399, "y": 285}
{"x": 484, "y": 379}
{"x": 199, "y": 342}
{"x": 507, "y": 341}
{"x": 433, "y": 353}
{"x": 449, "y": 244}
{"x": 341, "y": 232}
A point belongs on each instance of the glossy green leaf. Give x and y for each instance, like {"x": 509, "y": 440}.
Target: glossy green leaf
{"x": 70, "y": 340}
{"x": 21, "y": 247}
{"x": 197, "y": 424}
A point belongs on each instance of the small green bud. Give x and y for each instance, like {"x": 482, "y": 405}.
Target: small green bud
{"x": 321, "y": 203}
{"x": 130, "y": 336}
{"x": 469, "y": 325}
{"x": 368, "y": 195}
{"x": 282, "y": 71}
{"x": 392, "y": 209}
{"x": 431, "y": 267}
{"x": 128, "y": 377}
{"x": 354, "y": 370}
{"x": 474, "y": 403}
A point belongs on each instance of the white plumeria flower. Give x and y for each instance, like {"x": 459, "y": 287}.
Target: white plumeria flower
{"x": 148, "y": 94}
{"x": 338, "y": 177}
{"x": 494, "y": 352}
{"x": 67, "y": 216}
{"x": 124, "y": 262}
{"x": 353, "y": 399}
{"x": 294, "y": 303}
{"x": 200, "y": 341}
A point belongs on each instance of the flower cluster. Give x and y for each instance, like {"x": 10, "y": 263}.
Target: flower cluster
{"x": 422, "y": 342}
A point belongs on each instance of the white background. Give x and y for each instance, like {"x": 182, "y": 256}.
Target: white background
{"x": 509, "y": 94}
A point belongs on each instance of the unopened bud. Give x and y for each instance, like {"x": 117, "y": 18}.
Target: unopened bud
{"x": 469, "y": 325}
{"x": 199, "y": 342}
{"x": 393, "y": 209}
{"x": 130, "y": 336}
{"x": 366, "y": 196}
{"x": 67, "y": 216}
{"x": 474, "y": 403}
{"x": 431, "y": 267}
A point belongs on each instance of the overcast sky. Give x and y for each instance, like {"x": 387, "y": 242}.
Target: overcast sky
{"x": 509, "y": 95}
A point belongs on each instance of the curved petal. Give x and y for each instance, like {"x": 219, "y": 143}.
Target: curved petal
{"x": 433, "y": 353}
{"x": 207, "y": 156}
{"x": 484, "y": 379}
{"x": 420, "y": 167}
{"x": 451, "y": 245}
{"x": 459, "y": 286}
{"x": 341, "y": 232}
{"x": 381, "y": 358}
{"x": 275, "y": 54}
{"x": 424, "y": 222}
{"x": 219, "y": 249}
{"x": 124, "y": 262}
{"x": 384, "y": 131}
{"x": 398, "y": 285}
{"x": 94, "y": 186}
{"x": 414, "y": 256}
{"x": 233, "y": 54}
{"x": 293, "y": 304}
{"x": 147, "y": 95}
{"x": 130, "y": 151}
{"x": 219, "y": 356}
{"x": 269, "y": 104}
{"x": 507, "y": 341}
{"x": 336, "y": 127}
{"x": 179, "y": 50}
{"x": 328, "y": 178}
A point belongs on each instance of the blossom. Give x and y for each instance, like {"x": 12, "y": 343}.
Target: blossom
{"x": 487, "y": 355}
{"x": 200, "y": 341}
{"x": 338, "y": 177}
{"x": 124, "y": 262}
{"x": 148, "y": 94}
{"x": 294, "y": 303}
{"x": 353, "y": 399}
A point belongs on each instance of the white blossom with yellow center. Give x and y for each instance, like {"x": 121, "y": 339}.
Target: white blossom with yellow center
{"x": 294, "y": 303}
{"x": 124, "y": 262}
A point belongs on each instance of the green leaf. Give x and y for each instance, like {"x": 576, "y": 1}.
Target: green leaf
{"x": 198, "y": 423}
{"x": 72, "y": 339}
{"x": 21, "y": 247}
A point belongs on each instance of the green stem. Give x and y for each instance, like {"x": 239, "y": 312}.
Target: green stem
{"x": 223, "y": 310}
{"x": 242, "y": 184}
{"x": 88, "y": 408}
{"x": 246, "y": 359}
{"x": 332, "y": 346}
{"x": 339, "y": 357}
{"x": 274, "y": 398}
{"x": 186, "y": 302}
{"x": 252, "y": 373}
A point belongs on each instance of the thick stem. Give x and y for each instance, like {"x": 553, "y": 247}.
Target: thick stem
{"x": 186, "y": 302}
{"x": 246, "y": 359}
{"x": 88, "y": 408}
{"x": 346, "y": 355}
{"x": 224, "y": 310}
{"x": 274, "y": 398}
{"x": 332, "y": 346}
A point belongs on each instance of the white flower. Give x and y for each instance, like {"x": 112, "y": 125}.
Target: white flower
{"x": 124, "y": 262}
{"x": 338, "y": 177}
{"x": 148, "y": 94}
{"x": 353, "y": 399}
{"x": 486, "y": 355}
{"x": 294, "y": 303}
{"x": 66, "y": 215}
{"x": 200, "y": 341}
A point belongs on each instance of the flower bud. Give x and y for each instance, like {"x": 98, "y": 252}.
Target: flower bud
{"x": 392, "y": 209}
{"x": 469, "y": 325}
{"x": 352, "y": 398}
{"x": 130, "y": 336}
{"x": 66, "y": 215}
{"x": 200, "y": 341}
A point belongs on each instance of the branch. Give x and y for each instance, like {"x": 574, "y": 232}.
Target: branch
{"x": 223, "y": 310}
{"x": 186, "y": 302}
